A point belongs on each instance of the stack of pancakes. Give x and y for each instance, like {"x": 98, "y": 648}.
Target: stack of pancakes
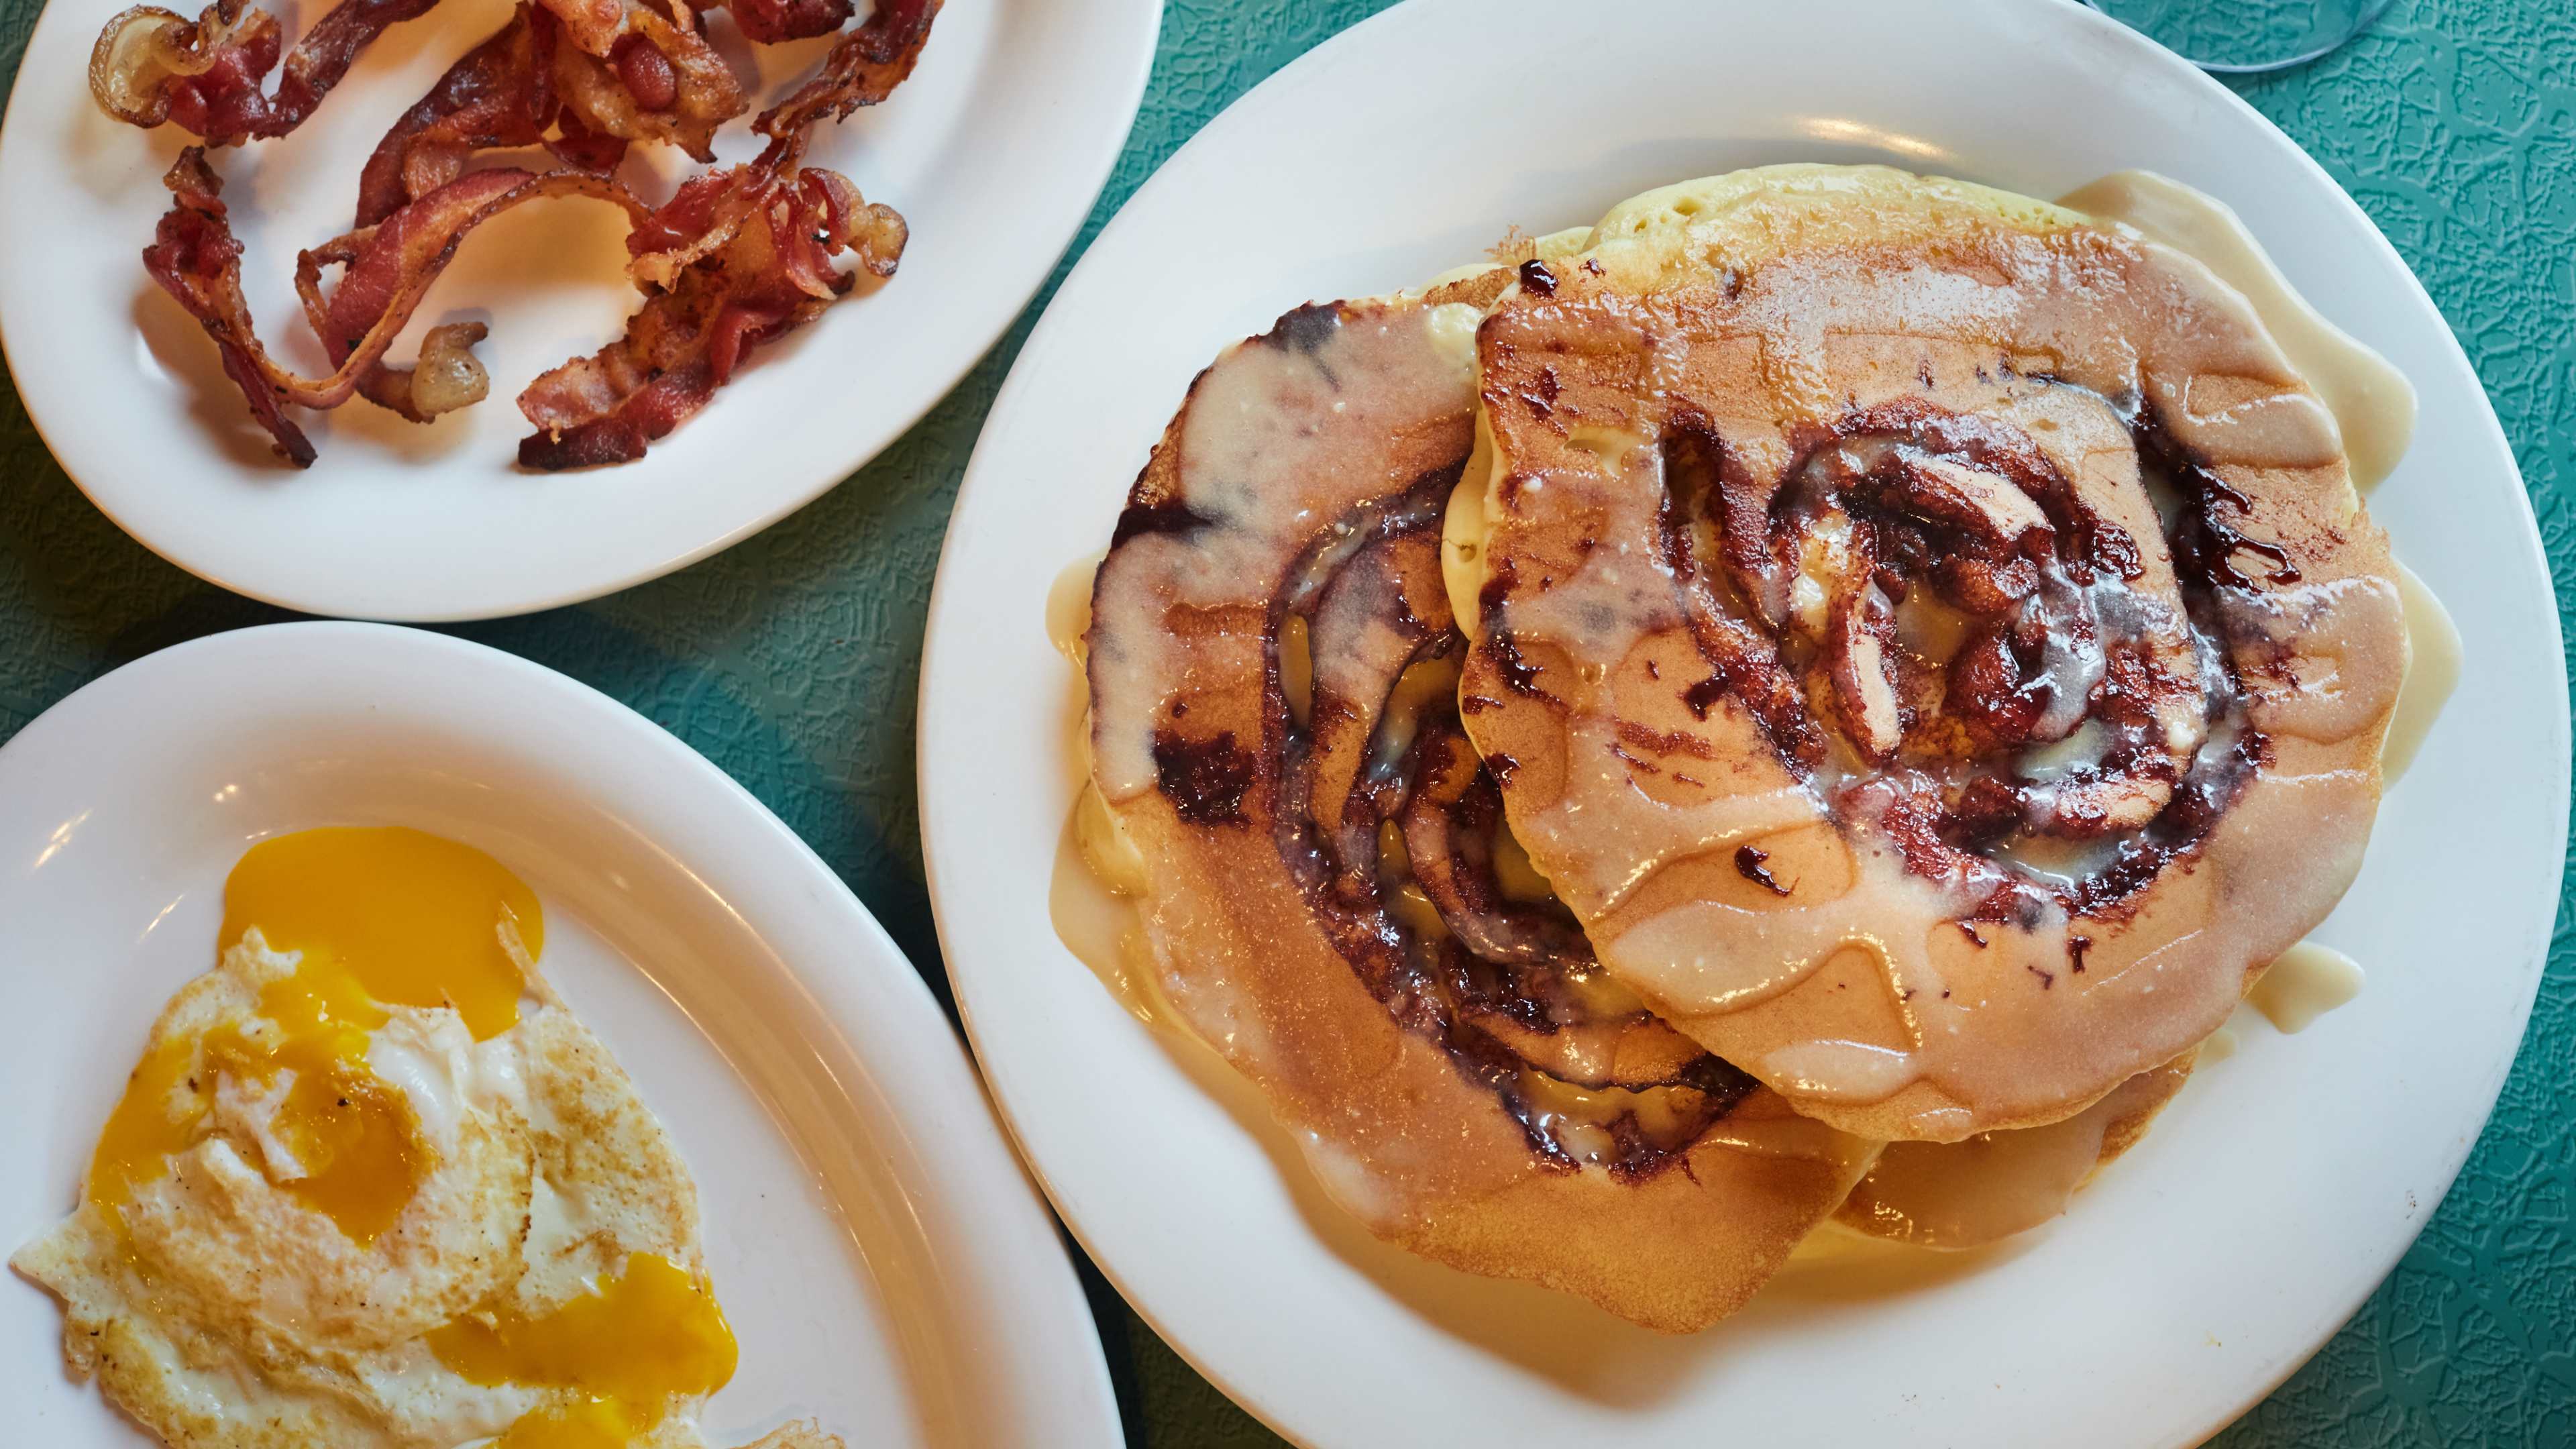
{"x": 1816, "y": 691}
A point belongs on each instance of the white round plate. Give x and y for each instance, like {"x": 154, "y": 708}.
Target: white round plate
{"x": 993, "y": 151}
{"x": 886, "y": 1265}
{"x": 2267, "y": 1203}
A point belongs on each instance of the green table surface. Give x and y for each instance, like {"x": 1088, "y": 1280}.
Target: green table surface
{"x": 791, "y": 660}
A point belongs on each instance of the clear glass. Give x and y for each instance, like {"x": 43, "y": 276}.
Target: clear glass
{"x": 2244, "y": 37}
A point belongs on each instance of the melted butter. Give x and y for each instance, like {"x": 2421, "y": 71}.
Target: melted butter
{"x": 1451, "y": 329}
{"x": 627, "y": 1349}
{"x": 1581, "y": 1119}
{"x": 2432, "y": 673}
{"x": 2307, "y": 981}
{"x": 2372, "y": 402}
{"x": 1928, "y": 627}
{"x": 1514, "y": 871}
{"x": 1464, "y": 529}
{"x": 377, "y": 916}
{"x": 1068, "y": 609}
{"x": 1409, "y": 903}
{"x": 2221, "y": 1044}
{"x": 1096, "y": 920}
{"x": 417, "y": 920}
{"x": 1412, "y": 908}
{"x": 1099, "y": 871}
{"x": 1297, "y": 668}
{"x": 1422, "y": 684}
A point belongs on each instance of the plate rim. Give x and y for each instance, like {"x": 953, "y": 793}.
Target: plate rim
{"x": 1326, "y": 53}
{"x": 994, "y": 1216}
{"x": 1091, "y": 168}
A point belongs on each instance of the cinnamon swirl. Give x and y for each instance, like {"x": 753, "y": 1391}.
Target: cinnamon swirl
{"x": 1809, "y": 699}
{"x": 1931, "y": 640}
{"x": 1329, "y": 894}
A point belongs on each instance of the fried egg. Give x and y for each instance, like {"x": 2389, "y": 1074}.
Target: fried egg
{"x": 371, "y": 1184}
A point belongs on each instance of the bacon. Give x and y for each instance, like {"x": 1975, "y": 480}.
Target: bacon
{"x": 649, "y": 78}
{"x": 863, "y": 69}
{"x": 150, "y": 65}
{"x": 528, "y": 80}
{"x": 197, "y": 260}
{"x": 594, "y": 25}
{"x": 735, "y": 260}
{"x": 738, "y": 257}
{"x": 632, "y": 71}
{"x": 771, "y": 21}
{"x": 499, "y": 94}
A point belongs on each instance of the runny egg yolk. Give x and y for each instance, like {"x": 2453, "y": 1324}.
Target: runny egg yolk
{"x": 627, "y": 1348}
{"x": 379, "y": 916}
{"x": 417, "y": 920}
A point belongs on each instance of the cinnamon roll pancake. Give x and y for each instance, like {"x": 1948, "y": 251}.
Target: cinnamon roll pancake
{"x": 1327, "y": 885}
{"x": 1929, "y": 639}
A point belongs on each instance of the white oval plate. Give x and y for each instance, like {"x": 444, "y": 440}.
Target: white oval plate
{"x": 994, "y": 151}
{"x": 2267, "y": 1203}
{"x": 884, "y": 1261}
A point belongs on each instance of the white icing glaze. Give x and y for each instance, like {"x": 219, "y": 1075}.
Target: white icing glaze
{"x": 2433, "y": 672}
{"x": 2347, "y": 646}
{"x": 2372, "y": 402}
{"x": 2022, "y": 1031}
{"x": 1249, "y": 437}
{"x": 2307, "y": 981}
{"x": 2219, "y": 1045}
{"x": 1099, "y": 872}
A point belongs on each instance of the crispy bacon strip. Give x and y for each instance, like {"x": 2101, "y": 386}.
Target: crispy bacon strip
{"x": 649, "y": 78}
{"x": 197, "y": 260}
{"x": 632, "y": 71}
{"x": 735, "y": 260}
{"x": 150, "y": 65}
{"x": 499, "y": 94}
{"x": 528, "y": 85}
{"x": 862, "y": 70}
{"x": 771, "y": 21}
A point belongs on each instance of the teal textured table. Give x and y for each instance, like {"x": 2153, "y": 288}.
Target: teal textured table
{"x": 791, "y": 660}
